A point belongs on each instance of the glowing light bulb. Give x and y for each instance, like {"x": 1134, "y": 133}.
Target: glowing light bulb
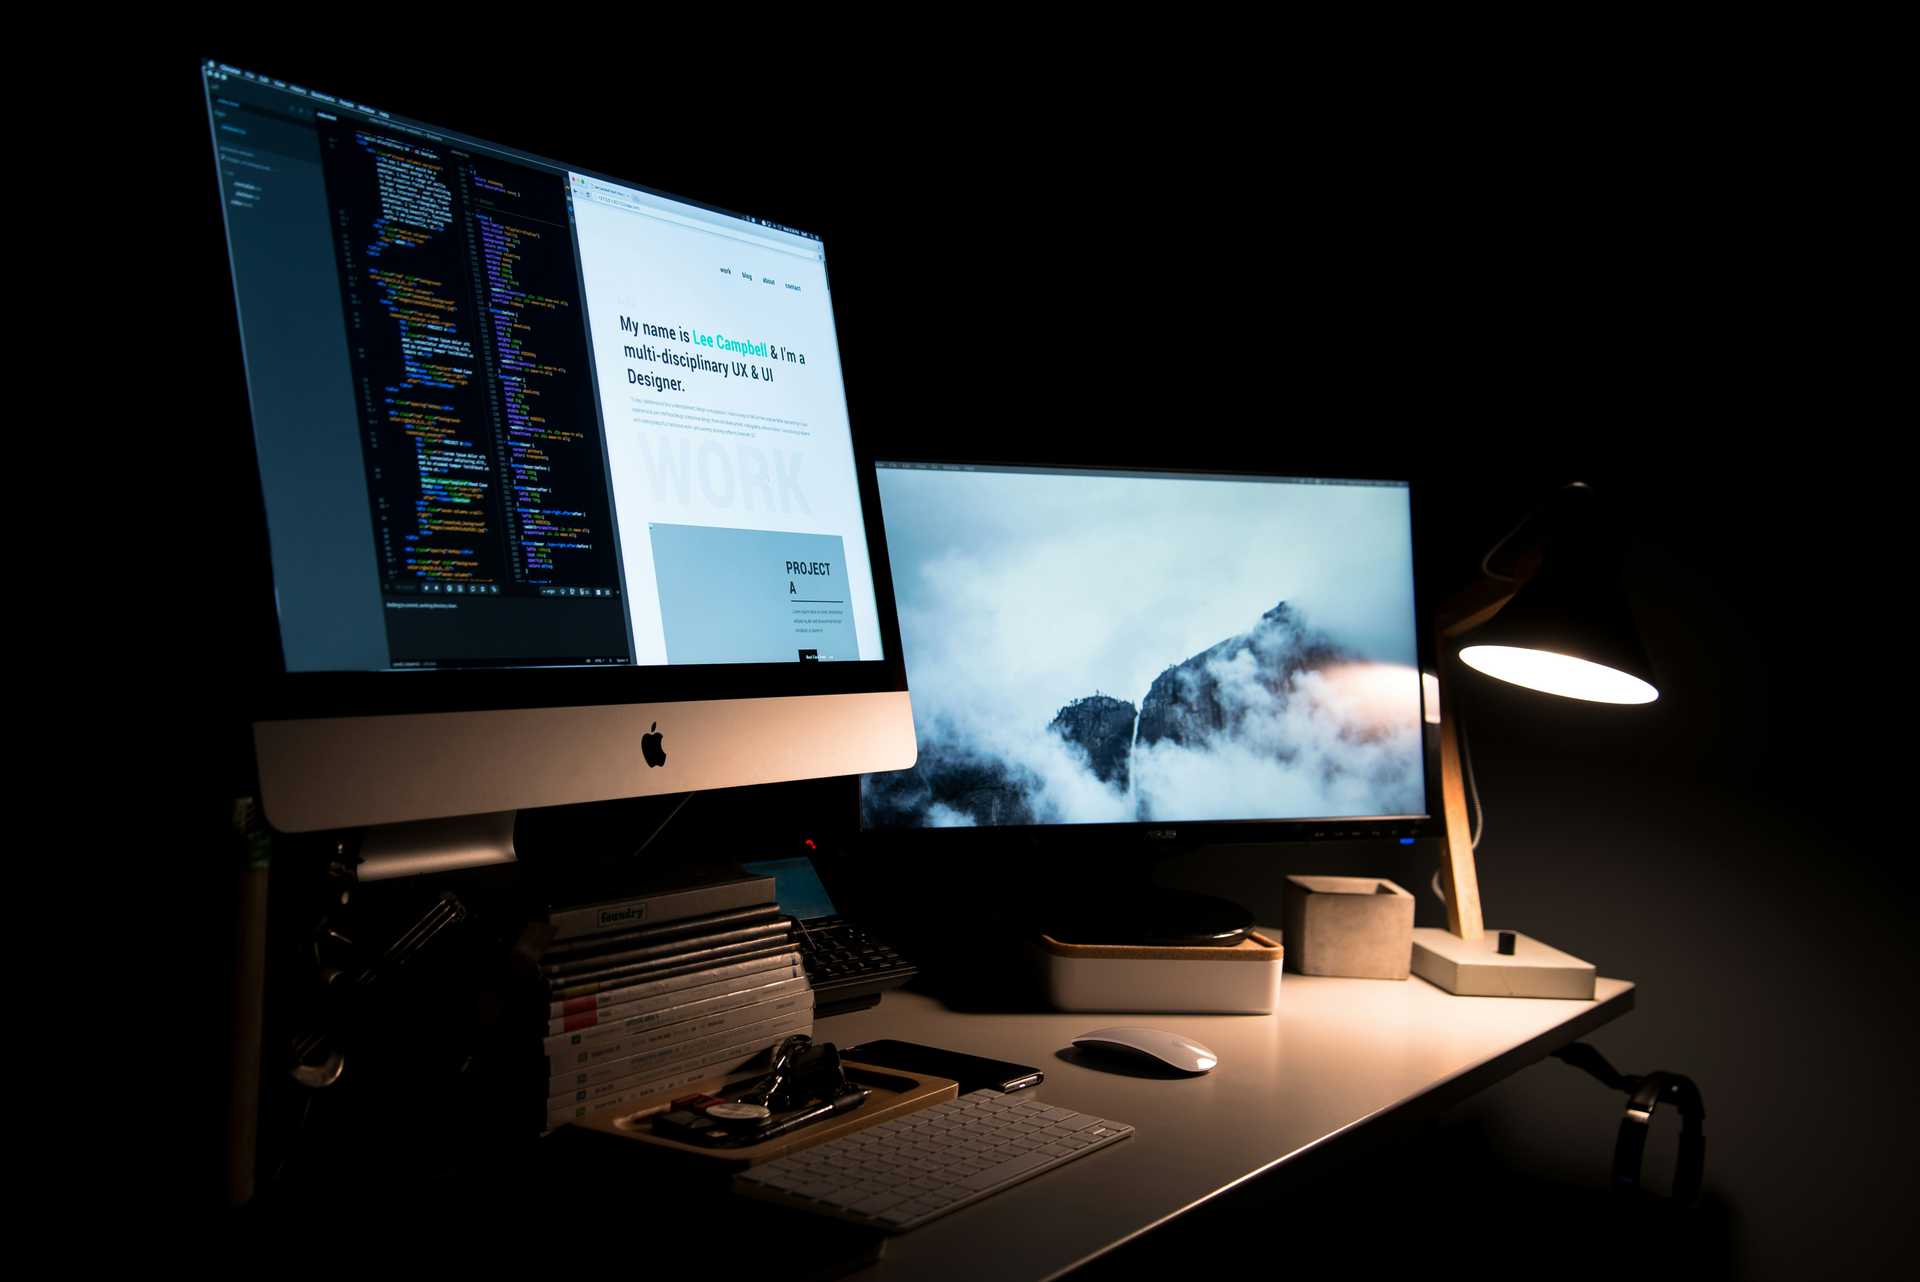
{"x": 1560, "y": 674}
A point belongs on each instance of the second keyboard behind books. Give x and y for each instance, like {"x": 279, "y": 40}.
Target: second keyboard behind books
{"x": 849, "y": 967}
{"x": 900, "y": 1174}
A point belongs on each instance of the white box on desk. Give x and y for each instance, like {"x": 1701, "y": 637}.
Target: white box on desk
{"x": 1197, "y": 980}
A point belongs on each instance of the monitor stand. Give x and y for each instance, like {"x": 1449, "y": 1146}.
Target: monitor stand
{"x": 1154, "y": 915}
{"x": 436, "y": 845}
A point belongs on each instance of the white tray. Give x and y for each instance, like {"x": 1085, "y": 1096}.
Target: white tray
{"x": 1241, "y": 980}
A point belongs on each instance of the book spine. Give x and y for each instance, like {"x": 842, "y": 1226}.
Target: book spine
{"x": 660, "y": 967}
{"x": 666, "y": 994}
{"x": 641, "y": 1090}
{"x": 628, "y": 976}
{"x": 682, "y": 931}
{"x": 701, "y": 1056}
{"x": 661, "y": 1029}
{"x": 671, "y": 905}
{"x": 565, "y": 1081}
{"x": 682, "y": 949}
{"x": 679, "y": 978}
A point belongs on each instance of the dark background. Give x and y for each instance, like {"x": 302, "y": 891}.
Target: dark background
{"x": 1158, "y": 253}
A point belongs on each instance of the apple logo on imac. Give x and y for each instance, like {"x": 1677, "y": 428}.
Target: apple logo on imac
{"x": 650, "y": 747}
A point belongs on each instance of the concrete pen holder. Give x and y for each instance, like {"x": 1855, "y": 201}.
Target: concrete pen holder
{"x": 1356, "y": 926}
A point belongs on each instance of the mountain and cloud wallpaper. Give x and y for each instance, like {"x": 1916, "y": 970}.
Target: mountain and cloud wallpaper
{"x": 1088, "y": 647}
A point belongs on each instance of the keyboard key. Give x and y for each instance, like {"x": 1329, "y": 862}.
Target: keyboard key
{"x": 814, "y": 1188}
{"x": 878, "y": 1203}
{"x": 1005, "y": 1171}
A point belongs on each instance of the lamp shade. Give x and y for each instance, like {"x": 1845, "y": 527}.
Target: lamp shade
{"x": 1568, "y": 630}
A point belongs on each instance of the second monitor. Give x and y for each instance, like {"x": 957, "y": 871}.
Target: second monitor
{"x": 1100, "y": 657}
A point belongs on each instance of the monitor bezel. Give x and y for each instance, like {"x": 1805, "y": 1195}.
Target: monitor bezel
{"x": 267, "y": 691}
{"x": 1172, "y": 834}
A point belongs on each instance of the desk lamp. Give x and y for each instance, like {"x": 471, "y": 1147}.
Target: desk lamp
{"x": 1557, "y": 621}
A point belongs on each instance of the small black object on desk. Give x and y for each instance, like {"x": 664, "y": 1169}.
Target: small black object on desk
{"x": 1156, "y": 916}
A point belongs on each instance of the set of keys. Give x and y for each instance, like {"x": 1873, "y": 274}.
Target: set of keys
{"x": 804, "y": 1084}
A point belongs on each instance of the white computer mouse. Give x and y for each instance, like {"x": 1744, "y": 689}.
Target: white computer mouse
{"x": 1157, "y": 1044}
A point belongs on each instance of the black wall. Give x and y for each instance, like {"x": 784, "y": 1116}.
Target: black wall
{"x": 1498, "y": 291}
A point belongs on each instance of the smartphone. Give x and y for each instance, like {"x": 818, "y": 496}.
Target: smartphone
{"x": 973, "y": 1072}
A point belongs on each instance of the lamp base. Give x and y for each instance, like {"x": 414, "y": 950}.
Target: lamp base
{"x": 1477, "y": 968}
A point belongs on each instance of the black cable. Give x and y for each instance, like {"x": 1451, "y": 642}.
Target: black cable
{"x": 1473, "y": 783}
{"x": 684, "y": 799}
{"x": 1485, "y": 561}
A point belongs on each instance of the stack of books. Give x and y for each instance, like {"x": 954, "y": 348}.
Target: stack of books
{"x": 645, "y": 996}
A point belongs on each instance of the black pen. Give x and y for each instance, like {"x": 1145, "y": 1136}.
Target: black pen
{"x": 843, "y": 1104}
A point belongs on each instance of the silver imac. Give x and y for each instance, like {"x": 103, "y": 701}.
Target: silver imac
{"x": 560, "y": 492}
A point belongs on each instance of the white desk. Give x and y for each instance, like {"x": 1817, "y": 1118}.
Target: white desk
{"x": 1337, "y": 1054}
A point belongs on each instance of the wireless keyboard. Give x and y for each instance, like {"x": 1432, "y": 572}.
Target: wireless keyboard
{"x": 900, "y": 1174}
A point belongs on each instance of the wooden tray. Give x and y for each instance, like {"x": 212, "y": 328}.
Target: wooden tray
{"x": 883, "y": 1105}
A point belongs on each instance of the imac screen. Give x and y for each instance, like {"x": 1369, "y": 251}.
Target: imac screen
{"x": 510, "y": 413}
{"x": 1090, "y": 647}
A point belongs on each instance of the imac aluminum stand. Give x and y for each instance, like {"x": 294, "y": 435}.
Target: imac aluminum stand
{"x": 436, "y": 845}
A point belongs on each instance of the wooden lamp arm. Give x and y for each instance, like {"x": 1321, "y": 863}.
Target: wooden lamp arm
{"x": 1458, "y": 875}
